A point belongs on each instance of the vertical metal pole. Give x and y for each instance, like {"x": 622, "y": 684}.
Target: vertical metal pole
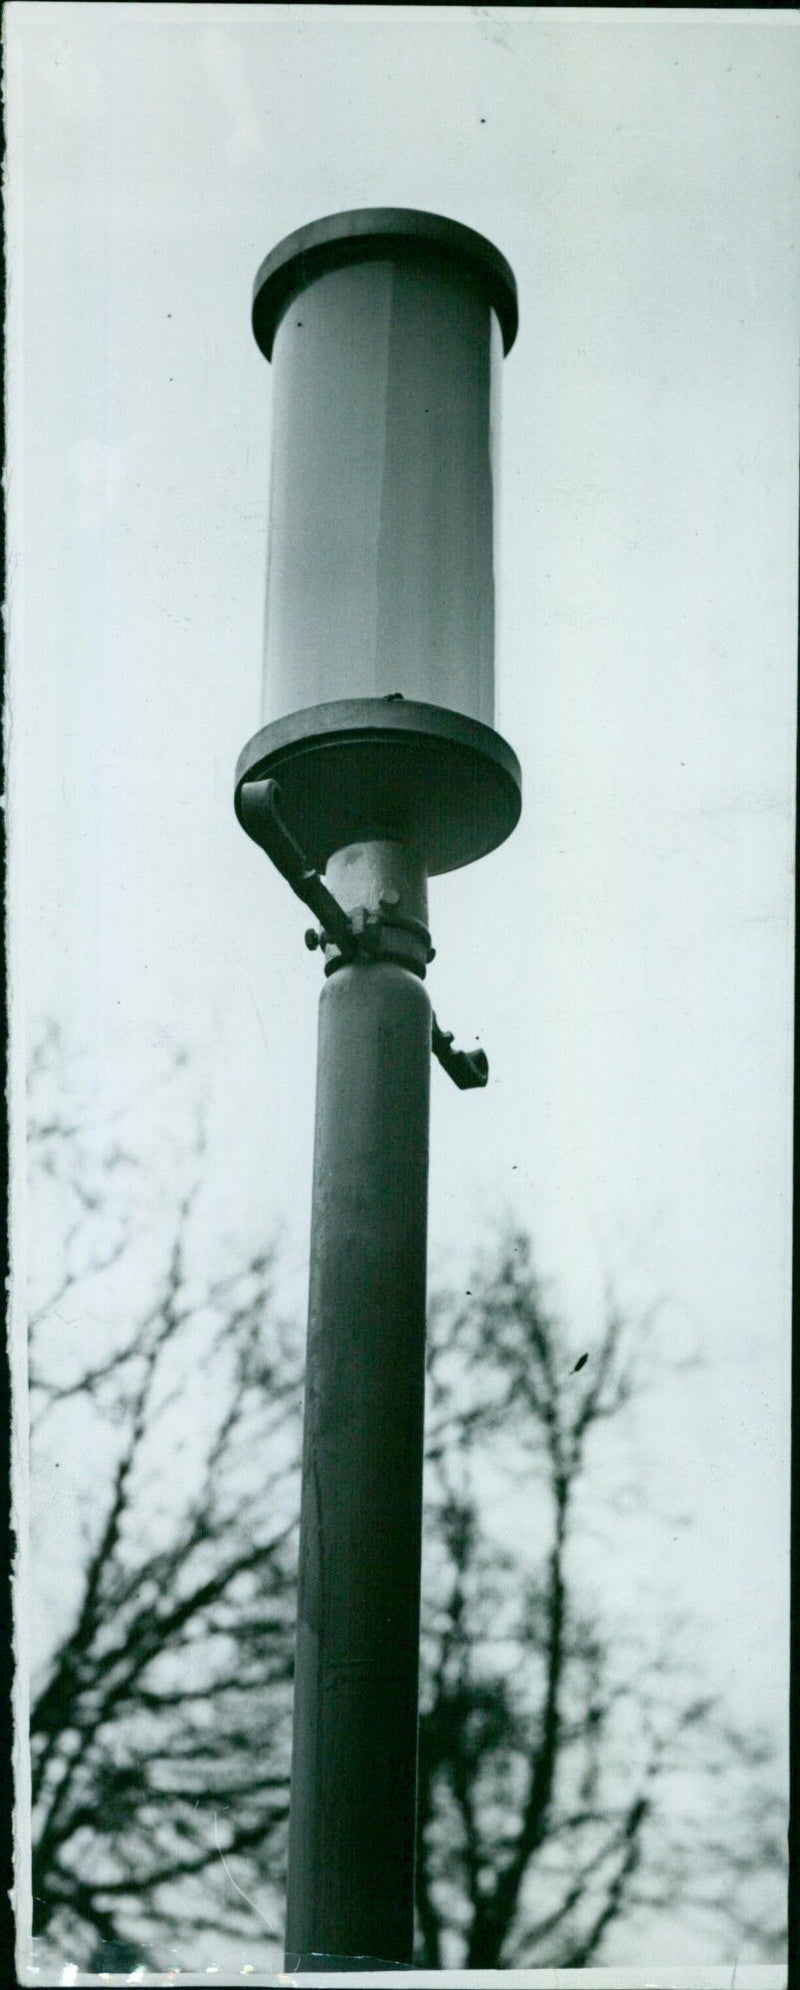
{"x": 353, "y": 1789}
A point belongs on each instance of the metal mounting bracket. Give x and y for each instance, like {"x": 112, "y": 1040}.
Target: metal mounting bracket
{"x": 469, "y": 1069}
{"x": 354, "y": 935}
{"x": 260, "y": 801}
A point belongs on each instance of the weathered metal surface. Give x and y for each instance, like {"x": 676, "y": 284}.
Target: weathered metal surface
{"x": 351, "y": 1858}
{"x": 381, "y": 525}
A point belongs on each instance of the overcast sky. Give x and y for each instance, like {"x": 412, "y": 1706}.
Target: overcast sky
{"x": 626, "y": 959}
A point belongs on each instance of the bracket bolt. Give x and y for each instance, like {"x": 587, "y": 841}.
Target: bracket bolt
{"x": 313, "y": 939}
{"x": 388, "y": 898}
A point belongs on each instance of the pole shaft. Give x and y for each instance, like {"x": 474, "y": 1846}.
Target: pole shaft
{"x": 352, "y": 1819}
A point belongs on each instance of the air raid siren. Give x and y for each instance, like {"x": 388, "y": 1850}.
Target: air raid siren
{"x": 386, "y": 331}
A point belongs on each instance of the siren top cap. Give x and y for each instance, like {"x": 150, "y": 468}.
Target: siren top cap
{"x": 371, "y": 234}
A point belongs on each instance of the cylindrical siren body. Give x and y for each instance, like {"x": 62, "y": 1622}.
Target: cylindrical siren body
{"x": 386, "y": 331}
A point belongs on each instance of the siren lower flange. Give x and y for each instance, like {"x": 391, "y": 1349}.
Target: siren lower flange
{"x": 387, "y": 769}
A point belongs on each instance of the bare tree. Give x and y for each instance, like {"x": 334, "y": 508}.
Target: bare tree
{"x": 551, "y": 1737}
{"x": 159, "y": 1727}
{"x": 550, "y": 1741}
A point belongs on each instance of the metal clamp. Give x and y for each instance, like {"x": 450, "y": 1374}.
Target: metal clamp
{"x": 382, "y": 935}
{"x": 354, "y": 935}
